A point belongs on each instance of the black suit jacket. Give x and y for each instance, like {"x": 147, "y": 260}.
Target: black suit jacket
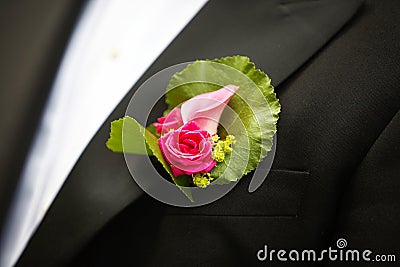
{"x": 336, "y": 167}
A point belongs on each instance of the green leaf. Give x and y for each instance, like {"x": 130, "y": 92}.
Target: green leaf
{"x": 131, "y": 145}
{"x": 184, "y": 180}
{"x": 255, "y": 106}
{"x": 128, "y": 136}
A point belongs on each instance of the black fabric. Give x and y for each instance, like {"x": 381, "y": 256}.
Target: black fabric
{"x": 368, "y": 215}
{"x": 338, "y": 149}
{"x": 335, "y": 110}
{"x": 277, "y": 36}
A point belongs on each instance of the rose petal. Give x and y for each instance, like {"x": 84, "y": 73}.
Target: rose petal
{"x": 206, "y": 109}
{"x": 210, "y": 167}
{"x": 189, "y": 155}
{"x": 172, "y": 121}
{"x": 177, "y": 172}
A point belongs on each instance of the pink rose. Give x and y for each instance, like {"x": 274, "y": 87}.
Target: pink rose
{"x": 188, "y": 150}
{"x": 172, "y": 121}
{"x": 204, "y": 109}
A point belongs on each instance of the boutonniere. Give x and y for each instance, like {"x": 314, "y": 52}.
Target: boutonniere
{"x": 219, "y": 124}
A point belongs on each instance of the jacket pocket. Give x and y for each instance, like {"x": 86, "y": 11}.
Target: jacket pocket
{"x": 281, "y": 194}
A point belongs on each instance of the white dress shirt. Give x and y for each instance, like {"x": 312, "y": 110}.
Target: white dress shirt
{"x": 113, "y": 44}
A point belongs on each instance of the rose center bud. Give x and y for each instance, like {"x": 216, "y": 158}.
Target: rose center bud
{"x": 188, "y": 150}
{"x": 189, "y": 146}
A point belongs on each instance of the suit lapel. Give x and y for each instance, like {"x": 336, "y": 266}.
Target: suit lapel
{"x": 34, "y": 39}
{"x": 279, "y": 37}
